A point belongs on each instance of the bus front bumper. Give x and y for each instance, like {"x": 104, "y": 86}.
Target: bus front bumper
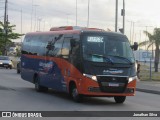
{"x": 92, "y": 88}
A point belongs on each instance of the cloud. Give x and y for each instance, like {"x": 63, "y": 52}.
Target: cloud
{"x": 102, "y": 13}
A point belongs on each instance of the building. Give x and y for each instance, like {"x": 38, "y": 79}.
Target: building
{"x": 144, "y": 55}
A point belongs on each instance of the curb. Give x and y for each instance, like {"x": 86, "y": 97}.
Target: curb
{"x": 148, "y": 91}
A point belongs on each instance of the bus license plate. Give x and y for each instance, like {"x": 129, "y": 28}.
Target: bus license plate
{"x": 113, "y": 84}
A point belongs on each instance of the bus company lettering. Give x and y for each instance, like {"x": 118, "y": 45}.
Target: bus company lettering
{"x": 46, "y": 65}
{"x": 115, "y": 71}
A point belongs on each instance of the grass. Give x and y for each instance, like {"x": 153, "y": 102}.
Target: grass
{"x": 145, "y": 74}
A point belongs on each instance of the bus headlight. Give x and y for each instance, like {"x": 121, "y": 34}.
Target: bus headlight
{"x": 93, "y": 77}
{"x": 130, "y": 79}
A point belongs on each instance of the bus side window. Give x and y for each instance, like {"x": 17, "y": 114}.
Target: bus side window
{"x": 54, "y": 48}
{"x": 26, "y": 45}
{"x": 65, "y": 51}
{"x": 45, "y": 42}
{"x": 34, "y": 45}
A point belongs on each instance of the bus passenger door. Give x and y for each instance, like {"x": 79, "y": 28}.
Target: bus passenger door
{"x": 65, "y": 64}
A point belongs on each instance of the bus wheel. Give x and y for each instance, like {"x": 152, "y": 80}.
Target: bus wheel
{"x": 75, "y": 95}
{"x": 18, "y": 71}
{"x": 38, "y": 87}
{"x": 119, "y": 99}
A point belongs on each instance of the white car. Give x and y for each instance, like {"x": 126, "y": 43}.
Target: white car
{"x": 6, "y": 62}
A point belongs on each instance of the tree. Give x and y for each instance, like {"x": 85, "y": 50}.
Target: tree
{"x": 5, "y": 39}
{"x": 153, "y": 40}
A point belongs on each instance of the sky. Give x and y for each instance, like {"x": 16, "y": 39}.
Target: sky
{"x": 44, "y": 14}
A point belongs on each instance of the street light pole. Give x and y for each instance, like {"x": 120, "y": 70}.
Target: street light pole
{"x": 21, "y": 25}
{"x": 123, "y": 16}
{"x": 76, "y": 12}
{"x": 35, "y": 17}
{"x": 88, "y": 13}
{"x": 6, "y": 25}
{"x": 67, "y": 18}
{"x": 39, "y": 24}
{"x": 31, "y": 16}
{"x": 133, "y": 34}
{"x": 116, "y": 16}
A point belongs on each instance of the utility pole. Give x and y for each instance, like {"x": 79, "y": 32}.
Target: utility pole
{"x": 6, "y": 24}
{"x": 35, "y": 16}
{"x": 21, "y": 25}
{"x": 5, "y": 13}
{"x": 67, "y": 18}
{"x": 123, "y": 11}
{"x": 31, "y": 16}
{"x": 76, "y": 12}
{"x": 116, "y": 17}
{"x": 44, "y": 25}
{"x": 139, "y": 39}
{"x": 146, "y": 36}
{"x": 39, "y": 24}
{"x": 133, "y": 34}
{"x": 88, "y": 14}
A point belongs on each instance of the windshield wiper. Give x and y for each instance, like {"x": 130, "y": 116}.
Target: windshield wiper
{"x": 124, "y": 58}
{"x": 106, "y": 58}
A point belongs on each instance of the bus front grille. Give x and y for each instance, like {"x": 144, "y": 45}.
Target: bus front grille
{"x": 111, "y": 84}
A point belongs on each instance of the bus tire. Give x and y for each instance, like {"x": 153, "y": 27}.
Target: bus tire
{"x": 18, "y": 71}
{"x": 119, "y": 99}
{"x": 75, "y": 95}
{"x": 38, "y": 87}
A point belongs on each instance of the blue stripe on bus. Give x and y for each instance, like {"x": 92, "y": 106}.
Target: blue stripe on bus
{"x": 48, "y": 71}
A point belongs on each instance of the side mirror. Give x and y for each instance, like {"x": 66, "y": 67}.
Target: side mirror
{"x": 135, "y": 46}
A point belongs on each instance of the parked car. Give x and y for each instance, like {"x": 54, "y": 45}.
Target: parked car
{"x": 6, "y": 62}
{"x": 19, "y": 66}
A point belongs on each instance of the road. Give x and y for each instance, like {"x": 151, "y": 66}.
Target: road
{"x": 19, "y": 95}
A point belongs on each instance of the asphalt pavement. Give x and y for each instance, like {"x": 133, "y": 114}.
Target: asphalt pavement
{"x": 149, "y": 87}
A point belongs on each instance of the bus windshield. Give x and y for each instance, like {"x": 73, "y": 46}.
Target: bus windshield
{"x": 103, "y": 48}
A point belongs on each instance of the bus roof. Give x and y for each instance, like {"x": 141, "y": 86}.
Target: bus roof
{"x": 77, "y": 32}
{"x": 54, "y": 32}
